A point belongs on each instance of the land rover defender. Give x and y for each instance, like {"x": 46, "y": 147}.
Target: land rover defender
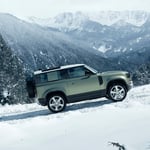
{"x": 73, "y": 83}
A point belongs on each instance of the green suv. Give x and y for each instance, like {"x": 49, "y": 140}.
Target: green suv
{"x": 67, "y": 84}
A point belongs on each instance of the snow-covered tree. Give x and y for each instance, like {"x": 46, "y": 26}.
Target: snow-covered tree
{"x": 12, "y": 79}
{"x": 142, "y": 74}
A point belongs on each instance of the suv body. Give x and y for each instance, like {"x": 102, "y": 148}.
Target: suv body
{"x": 67, "y": 84}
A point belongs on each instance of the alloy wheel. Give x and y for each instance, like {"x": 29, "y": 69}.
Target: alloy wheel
{"x": 56, "y": 103}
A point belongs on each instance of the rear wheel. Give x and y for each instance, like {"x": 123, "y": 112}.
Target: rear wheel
{"x": 56, "y": 103}
{"x": 117, "y": 92}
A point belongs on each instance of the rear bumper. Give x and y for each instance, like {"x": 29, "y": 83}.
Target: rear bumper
{"x": 42, "y": 101}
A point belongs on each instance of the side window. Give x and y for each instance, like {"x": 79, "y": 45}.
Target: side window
{"x": 63, "y": 74}
{"x": 52, "y": 76}
{"x": 76, "y": 72}
{"x": 41, "y": 78}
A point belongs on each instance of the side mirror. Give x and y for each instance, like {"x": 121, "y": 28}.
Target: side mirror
{"x": 88, "y": 73}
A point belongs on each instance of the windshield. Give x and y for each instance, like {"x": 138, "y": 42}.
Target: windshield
{"x": 91, "y": 69}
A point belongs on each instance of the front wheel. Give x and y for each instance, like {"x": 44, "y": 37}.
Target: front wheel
{"x": 56, "y": 103}
{"x": 117, "y": 92}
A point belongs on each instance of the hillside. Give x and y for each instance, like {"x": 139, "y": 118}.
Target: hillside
{"x": 86, "y": 125}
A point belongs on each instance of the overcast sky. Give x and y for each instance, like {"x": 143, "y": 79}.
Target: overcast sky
{"x": 49, "y": 8}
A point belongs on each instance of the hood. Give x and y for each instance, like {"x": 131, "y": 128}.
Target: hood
{"x": 113, "y": 72}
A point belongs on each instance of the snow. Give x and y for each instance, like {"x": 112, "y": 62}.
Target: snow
{"x": 118, "y": 50}
{"x": 124, "y": 50}
{"x": 86, "y": 125}
{"x": 131, "y": 49}
{"x": 103, "y": 48}
{"x": 138, "y": 39}
{"x": 136, "y": 18}
{"x": 5, "y": 93}
{"x": 42, "y": 53}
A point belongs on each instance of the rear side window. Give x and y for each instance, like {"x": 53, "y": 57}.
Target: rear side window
{"x": 41, "y": 78}
{"x": 53, "y": 76}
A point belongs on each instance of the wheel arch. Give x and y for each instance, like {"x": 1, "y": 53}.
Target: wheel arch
{"x": 56, "y": 92}
{"x": 120, "y": 81}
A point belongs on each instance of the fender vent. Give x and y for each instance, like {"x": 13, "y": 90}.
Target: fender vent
{"x": 100, "y": 80}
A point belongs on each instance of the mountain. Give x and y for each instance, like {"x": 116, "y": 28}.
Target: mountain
{"x": 40, "y": 47}
{"x": 110, "y": 32}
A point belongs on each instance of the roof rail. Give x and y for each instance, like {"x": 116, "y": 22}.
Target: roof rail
{"x": 50, "y": 69}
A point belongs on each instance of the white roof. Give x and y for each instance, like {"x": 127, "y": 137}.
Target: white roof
{"x": 62, "y": 67}
{"x": 70, "y": 66}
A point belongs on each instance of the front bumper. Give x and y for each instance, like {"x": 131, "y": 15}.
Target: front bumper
{"x": 130, "y": 85}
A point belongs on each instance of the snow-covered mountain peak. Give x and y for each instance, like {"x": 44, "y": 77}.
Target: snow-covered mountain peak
{"x": 136, "y": 18}
{"x": 69, "y": 20}
{"x": 74, "y": 20}
{"x": 64, "y": 21}
{"x": 39, "y": 21}
{"x": 121, "y": 23}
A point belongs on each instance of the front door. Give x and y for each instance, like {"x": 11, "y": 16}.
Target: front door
{"x": 82, "y": 84}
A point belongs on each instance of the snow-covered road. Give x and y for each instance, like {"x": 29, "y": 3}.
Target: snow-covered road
{"x": 88, "y": 125}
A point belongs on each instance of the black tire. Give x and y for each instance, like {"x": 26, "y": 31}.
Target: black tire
{"x": 117, "y": 92}
{"x": 56, "y": 103}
